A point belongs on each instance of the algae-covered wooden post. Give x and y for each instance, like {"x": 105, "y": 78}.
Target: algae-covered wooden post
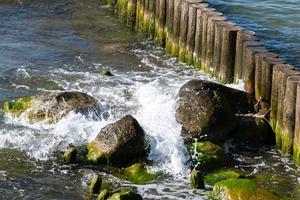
{"x": 283, "y": 75}
{"x": 169, "y": 25}
{"x": 240, "y": 38}
{"x": 176, "y": 28}
{"x": 219, "y": 25}
{"x": 151, "y": 22}
{"x": 275, "y": 92}
{"x": 228, "y": 53}
{"x": 191, "y": 32}
{"x": 258, "y": 71}
{"x": 146, "y": 18}
{"x": 122, "y": 10}
{"x": 198, "y": 36}
{"x": 249, "y": 65}
{"x": 139, "y": 15}
{"x": 209, "y": 55}
{"x": 131, "y": 13}
{"x": 296, "y": 143}
{"x": 266, "y": 81}
{"x": 289, "y": 103}
{"x": 160, "y": 20}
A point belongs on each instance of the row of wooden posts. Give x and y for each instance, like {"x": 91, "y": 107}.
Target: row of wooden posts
{"x": 200, "y": 36}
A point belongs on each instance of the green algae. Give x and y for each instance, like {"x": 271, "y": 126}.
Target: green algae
{"x": 138, "y": 174}
{"x": 95, "y": 184}
{"x": 95, "y": 155}
{"x": 125, "y": 195}
{"x": 221, "y": 175}
{"x": 18, "y": 106}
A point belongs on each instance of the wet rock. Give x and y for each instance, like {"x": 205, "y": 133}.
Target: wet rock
{"x": 207, "y": 156}
{"x": 241, "y": 189}
{"x": 106, "y": 72}
{"x": 51, "y": 107}
{"x": 138, "y": 174}
{"x": 104, "y": 194}
{"x": 213, "y": 178}
{"x": 118, "y": 143}
{"x": 125, "y": 195}
{"x": 196, "y": 180}
{"x": 95, "y": 184}
{"x": 70, "y": 155}
{"x": 205, "y": 115}
{"x": 240, "y": 101}
{"x": 253, "y": 130}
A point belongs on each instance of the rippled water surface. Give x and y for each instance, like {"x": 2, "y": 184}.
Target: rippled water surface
{"x": 63, "y": 45}
{"x": 276, "y": 22}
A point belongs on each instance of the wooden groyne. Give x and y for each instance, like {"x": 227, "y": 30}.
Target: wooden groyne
{"x": 200, "y": 36}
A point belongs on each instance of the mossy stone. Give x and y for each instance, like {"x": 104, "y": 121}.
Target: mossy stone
{"x": 16, "y": 107}
{"x": 104, "y": 194}
{"x": 106, "y": 72}
{"x": 196, "y": 180}
{"x": 221, "y": 175}
{"x": 70, "y": 156}
{"x": 95, "y": 184}
{"x": 241, "y": 189}
{"x": 138, "y": 174}
{"x": 207, "y": 156}
{"x": 125, "y": 195}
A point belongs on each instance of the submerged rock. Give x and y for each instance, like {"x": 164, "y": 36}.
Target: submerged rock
{"x": 196, "y": 180}
{"x": 138, "y": 174}
{"x": 51, "y": 107}
{"x": 213, "y": 178}
{"x": 240, "y": 101}
{"x": 118, "y": 143}
{"x": 207, "y": 156}
{"x": 241, "y": 189}
{"x": 205, "y": 115}
{"x": 253, "y": 130}
{"x": 106, "y": 72}
{"x": 95, "y": 184}
{"x": 125, "y": 195}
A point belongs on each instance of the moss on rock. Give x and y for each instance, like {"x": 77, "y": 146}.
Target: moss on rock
{"x": 16, "y": 107}
{"x": 221, "y": 175}
{"x": 95, "y": 184}
{"x": 125, "y": 195}
{"x": 70, "y": 156}
{"x": 104, "y": 194}
{"x": 138, "y": 174}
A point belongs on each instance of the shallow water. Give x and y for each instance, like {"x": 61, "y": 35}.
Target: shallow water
{"x": 276, "y": 22}
{"x": 51, "y": 46}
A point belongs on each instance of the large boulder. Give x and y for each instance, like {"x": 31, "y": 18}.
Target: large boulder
{"x": 240, "y": 101}
{"x": 118, "y": 143}
{"x": 51, "y": 107}
{"x": 205, "y": 115}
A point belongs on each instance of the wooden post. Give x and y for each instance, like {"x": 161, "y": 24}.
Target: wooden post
{"x": 275, "y": 89}
{"x": 151, "y": 23}
{"x": 258, "y": 71}
{"x": 131, "y": 13}
{"x": 191, "y": 34}
{"x": 228, "y": 54}
{"x": 160, "y": 20}
{"x": 146, "y": 18}
{"x": 176, "y": 27}
{"x": 283, "y": 74}
{"x": 122, "y": 10}
{"x": 210, "y": 41}
{"x": 218, "y": 44}
{"x": 240, "y": 38}
{"x": 296, "y": 145}
{"x": 139, "y": 15}
{"x": 198, "y": 36}
{"x": 249, "y": 65}
{"x": 169, "y": 25}
{"x": 289, "y": 103}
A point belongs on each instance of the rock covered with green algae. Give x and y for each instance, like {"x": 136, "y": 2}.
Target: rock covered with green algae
{"x": 196, "y": 180}
{"x": 70, "y": 155}
{"x": 214, "y": 177}
{"x": 207, "y": 156}
{"x": 125, "y": 195}
{"x": 51, "y": 107}
{"x": 241, "y": 189}
{"x": 95, "y": 184}
{"x": 139, "y": 174}
{"x": 119, "y": 143}
{"x": 104, "y": 194}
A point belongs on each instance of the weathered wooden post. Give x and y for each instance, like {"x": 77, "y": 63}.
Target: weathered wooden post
{"x": 283, "y": 75}
{"x": 160, "y": 20}
{"x": 139, "y": 15}
{"x": 228, "y": 53}
{"x": 169, "y": 25}
{"x": 240, "y": 38}
{"x": 122, "y": 10}
{"x": 146, "y": 18}
{"x": 249, "y": 65}
{"x": 289, "y": 103}
{"x": 131, "y": 13}
{"x": 296, "y": 145}
{"x": 198, "y": 36}
{"x": 258, "y": 71}
{"x": 176, "y": 27}
{"x": 218, "y": 44}
{"x": 209, "y": 55}
{"x": 191, "y": 33}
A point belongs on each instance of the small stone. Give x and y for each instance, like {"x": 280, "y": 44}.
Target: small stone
{"x": 95, "y": 184}
{"x": 104, "y": 194}
{"x": 106, "y": 72}
{"x": 125, "y": 195}
{"x": 197, "y": 181}
{"x": 70, "y": 155}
